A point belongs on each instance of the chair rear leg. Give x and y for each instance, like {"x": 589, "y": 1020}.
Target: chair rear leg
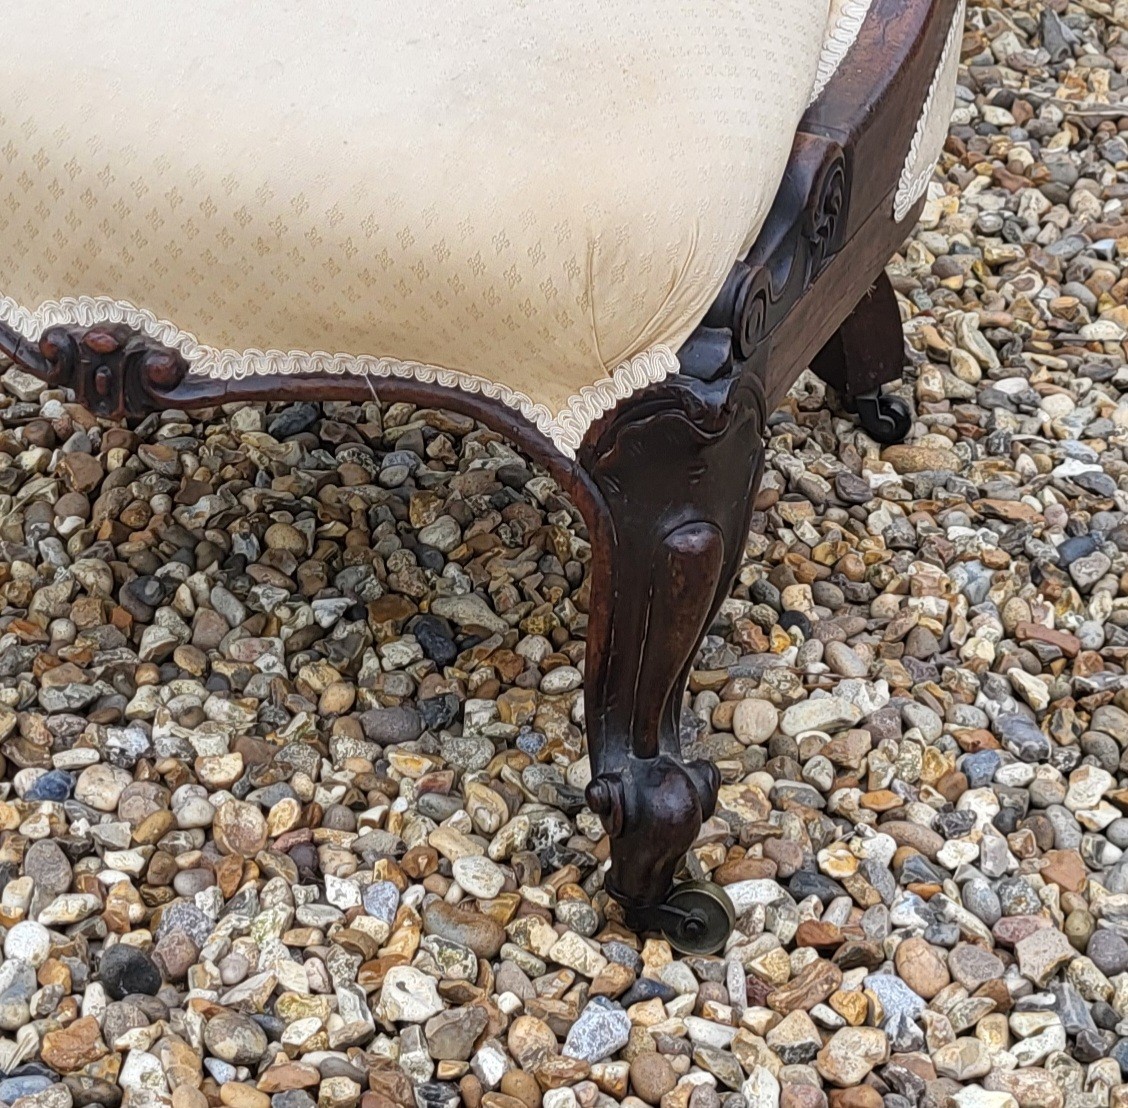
{"x": 866, "y": 352}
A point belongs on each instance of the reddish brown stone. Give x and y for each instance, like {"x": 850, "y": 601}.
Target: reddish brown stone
{"x": 82, "y": 472}
{"x": 922, "y": 967}
{"x": 744, "y": 869}
{"x": 998, "y": 992}
{"x": 881, "y": 800}
{"x": 71, "y": 1048}
{"x": 861, "y": 1096}
{"x": 1012, "y": 511}
{"x": 811, "y": 986}
{"x": 1066, "y": 869}
{"x": 391, "y": 1085}
{"x": 820, "y": 935}
{"x": 471, "y": 1089}
{"x": 952, "y": 785}
{"x": 794, "y": 1095}
{"x": 1068, "y": 644}
{"x": 288, "y": 1075}
{"x": 917, "y": 1063}
{"x": 391, "y": 608}
{"x": 557, "y": 1072}
{"x": 971, "y": 740}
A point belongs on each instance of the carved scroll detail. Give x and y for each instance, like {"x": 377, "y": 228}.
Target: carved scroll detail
{"x": 805, "y": 229}
{"x": 113, "y": 370}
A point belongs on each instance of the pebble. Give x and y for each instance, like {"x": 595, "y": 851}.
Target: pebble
{"x": 28, "y": 942}
{"x": 125, "y": 969}
{"x": 602, "y": 1029}
{"x": 755, "y": 721}
{"x": 922, "y": 967}
{"x": 972, "y": 966}
{"x": 479, "y": 933}
{"x": 829, "y": 714}
{"x": 409, "y": 996}
{"x": 235, "y": 1038}
{"x": 478, "y": 876}
{"x": 1042, "y": 952}
{"x": 652, "y": 1076}
{"x": 239, "y": 828}
{"x": 1108, "y": 951}
{"x": 850, "y": 1053}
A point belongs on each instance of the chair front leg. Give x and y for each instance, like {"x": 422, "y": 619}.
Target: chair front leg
{"x": 678, "y": 468}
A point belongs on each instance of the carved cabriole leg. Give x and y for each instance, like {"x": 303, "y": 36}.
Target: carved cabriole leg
{"x": 677, "y": 468}
{"x": 666, "y": 482}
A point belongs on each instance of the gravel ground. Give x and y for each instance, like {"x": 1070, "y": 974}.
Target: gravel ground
{"x": 290, "y": 716}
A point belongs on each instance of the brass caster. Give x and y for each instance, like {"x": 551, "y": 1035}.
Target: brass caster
{"x": 697, "y": 918}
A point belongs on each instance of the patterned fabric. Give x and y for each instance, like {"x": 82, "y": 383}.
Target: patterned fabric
{"x": 541, "y": 198}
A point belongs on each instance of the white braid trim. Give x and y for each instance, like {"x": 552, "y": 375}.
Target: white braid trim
{"x": 842, "y": 37}
{"x": 565, "y": 429}
{"x": 932, "y": 128}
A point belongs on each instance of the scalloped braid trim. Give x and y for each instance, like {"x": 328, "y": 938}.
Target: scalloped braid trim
{"x": 919, "y": 162}
{"x": 842, "y": 37}
{"x": 564, "y": 429}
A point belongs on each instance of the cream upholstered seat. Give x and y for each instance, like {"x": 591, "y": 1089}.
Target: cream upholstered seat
{"x": 537, "y": 199}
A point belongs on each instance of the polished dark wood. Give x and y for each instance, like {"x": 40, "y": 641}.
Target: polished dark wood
{"x": 113, "y": 370}
{"x": 677, "y": 472}
{"x": 667, "y": 479}
{"x": 871, "y": 108}
{"x": 868, "y": 349}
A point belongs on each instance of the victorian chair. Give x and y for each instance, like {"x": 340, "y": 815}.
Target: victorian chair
{"x": 614, "y": 231}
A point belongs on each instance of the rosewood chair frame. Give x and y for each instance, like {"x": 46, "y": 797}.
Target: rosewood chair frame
{"x": 666, "y": 480}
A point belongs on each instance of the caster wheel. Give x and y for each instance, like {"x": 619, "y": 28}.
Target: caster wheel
{"x": 703, "y": 917}
{"x": 886, "y": 419}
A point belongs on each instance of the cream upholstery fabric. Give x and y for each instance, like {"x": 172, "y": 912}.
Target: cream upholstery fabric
{"x": 528, "y": 196}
